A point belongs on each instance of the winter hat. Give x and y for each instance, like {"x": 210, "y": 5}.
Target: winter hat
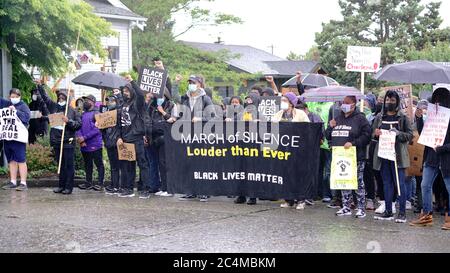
{"x": 292, "y": 98}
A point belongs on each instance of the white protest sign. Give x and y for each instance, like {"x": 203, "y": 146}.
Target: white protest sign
{"x": 35, "y": 114}
{"x": 11, "y": 127}
{"x": 435, "y": 128}
{"x": 386, "y": 145}
{"x": 363, "y": 59}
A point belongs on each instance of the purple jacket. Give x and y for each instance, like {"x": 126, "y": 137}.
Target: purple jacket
{"x": 91, "y": 134}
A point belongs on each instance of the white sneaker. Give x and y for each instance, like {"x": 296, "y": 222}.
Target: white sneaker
{"x": 166, "y": 194}
{"x": 408, "y": 205}
{"x": 344, "y": 212}
{"x": 381, "y": 208}
{"x": 285, "y": 205}
{"x": 301, "y": 206}
{"x": 360, "y": 213}
{"x": 159, "y": 193}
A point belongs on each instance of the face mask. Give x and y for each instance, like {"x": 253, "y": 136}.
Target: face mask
{"x": 117, "y": 92}
{"x": 424, "y": 117}
{"x": 15, "y": 100}
{"x": 192, "y": 87}
{"x": 112, "y": 106}
{"x": 284, "y": 105}
{"x": 346, "y": 108}
{"x": 86, "y": 106}
{"x": 34, "y": 97}
{"x": 160, "y": 101}
{"x": 62, "y": 103}
{"x": 391, "y": 107}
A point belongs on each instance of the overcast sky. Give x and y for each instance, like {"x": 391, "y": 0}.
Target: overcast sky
{"x": 269, "y": 22}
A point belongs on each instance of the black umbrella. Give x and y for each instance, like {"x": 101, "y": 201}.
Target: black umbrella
{"x": 416, "y": 72}
{"x": 311, "y": 80}
{"x": 100, "y": 80}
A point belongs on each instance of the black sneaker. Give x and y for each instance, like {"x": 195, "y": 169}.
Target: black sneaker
{"x": 66, "y": 192}
{"x": 203, "y": 198}
{"x": 240, "y": 200}
{"x": 187, "y": 197}
{"x": 85, "y": 186}
{"x": 58, "y": 190}
{"x": 335, "y": 204}
{"x": 251, "y": 201}
{"x": 127, "y": 193}
{"x": 309, "y": 202}
{"x": 22, "y": 187}
{"x": 144, "y": 195}
{"x": 386, "y": 216}
{"x": 97, "y": 188}
{"x": 401, "y": 218}
{"x": 111, "y": 191}
{"x": 9, "y": 186}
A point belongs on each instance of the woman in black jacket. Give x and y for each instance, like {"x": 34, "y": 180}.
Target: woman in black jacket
{"x": 38, "y": 125}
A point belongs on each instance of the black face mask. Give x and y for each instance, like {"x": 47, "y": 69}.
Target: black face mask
{"x": 391, "y": 107}
{"x": 86, "y": 106}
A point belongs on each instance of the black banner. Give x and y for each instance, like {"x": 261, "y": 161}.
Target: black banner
{"x": 278, "y": 163}
{"x": 153, "y": 80}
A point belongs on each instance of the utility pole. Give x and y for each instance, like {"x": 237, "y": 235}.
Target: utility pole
{"x": 271, "y": 47}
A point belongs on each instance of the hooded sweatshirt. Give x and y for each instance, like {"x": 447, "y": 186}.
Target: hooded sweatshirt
{"x": 91, "y": 134}
{"x": 200, "y": 106}
{"x": 132, "y": 114}
{"x": 354, "y": 129}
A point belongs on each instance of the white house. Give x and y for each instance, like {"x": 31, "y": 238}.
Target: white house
{"x": 123, "y": 21}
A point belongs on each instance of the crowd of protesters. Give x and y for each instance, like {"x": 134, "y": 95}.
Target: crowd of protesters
{"x": 141, "y": 120}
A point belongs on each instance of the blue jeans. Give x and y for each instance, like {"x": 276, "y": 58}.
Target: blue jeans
{"x": 152, "y": 157}
{"x": 410, "y": 187}
{"x": 429, "y": 175}
{"x": 390, "y": 184}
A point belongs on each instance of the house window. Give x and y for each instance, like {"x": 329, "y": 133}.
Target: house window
{"x": 114, "y": 53}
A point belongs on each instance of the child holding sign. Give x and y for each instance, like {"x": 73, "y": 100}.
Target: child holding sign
{"x": 393, "y": 120}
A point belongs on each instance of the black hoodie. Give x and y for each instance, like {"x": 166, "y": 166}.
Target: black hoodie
{"x": 354, "y": 129}
{"x": 132, "y": 115}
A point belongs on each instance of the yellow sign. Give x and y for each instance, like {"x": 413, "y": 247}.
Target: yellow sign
{"x": 344, "y": 169}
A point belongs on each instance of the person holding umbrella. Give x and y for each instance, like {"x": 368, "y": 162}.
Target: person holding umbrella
{"x": 393, "y": 119}
{"x": 351, "y": 129}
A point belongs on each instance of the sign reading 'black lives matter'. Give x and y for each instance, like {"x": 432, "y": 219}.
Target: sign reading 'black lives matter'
{"x": 153, "y": 80}
{"x": 278, "y": 163}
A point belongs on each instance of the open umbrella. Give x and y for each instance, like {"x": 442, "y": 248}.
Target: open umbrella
{"x": 312, "y": 80}
{"x": 100, "y": 80}
{"x": 330, "y": 94}
{"x": 415, "y": 72}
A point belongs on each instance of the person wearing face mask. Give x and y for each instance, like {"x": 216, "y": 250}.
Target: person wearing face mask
{"x": 161, "y": 114}
{"x": 351, "y": 129}
{"x": 72, "y": 124}
{"x": 110, "y": 137}
{"x": 251, "y": 104}
{"x": 289, "y": 113}
{"x": 234, "y": 110}
{"x": 38, "y": 125}
{"x": 394, "y": 120}
{"x": 90, "y": 139}
{"x": 16, "y": 151}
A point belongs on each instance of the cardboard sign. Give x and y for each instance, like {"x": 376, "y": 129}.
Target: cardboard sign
{"x": 269, "y": 106}
{"x": 406, "y": 101}
{"x": 35, "y": 114}
{"x": 386, "y": 145}
{"x": 435, "y": 128}
{"x": 344, "y": 169}
{"x": 153, "y": 80}
{"x": 363, "y": 59}
{"x": 127, "y": 152}
{"x": 56, "y": 119}
{"x": 11, "y": 127}
{"x": 107, "y": 119}
{"x": 415, "y": 157}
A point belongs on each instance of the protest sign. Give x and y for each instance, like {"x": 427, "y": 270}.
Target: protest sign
{"x": 56, "y": 119}
{"x": 35, "y": 114}
{"x": 11, "y": 127}
{"x": 363, "y": 59}
{"x": 435, "y": 128}
{"x": 106, "y": 120}
{"x": 127, "y": 152}
{"x": 344, "y": 169}
{"x": 153, "y": 80}
{"x": 415, "y": 151}
{"x": 269, "y": 106}
{"x": 242, "y": 162}
{"x": 386, "y": 145}
{"x": 406, "y": 101}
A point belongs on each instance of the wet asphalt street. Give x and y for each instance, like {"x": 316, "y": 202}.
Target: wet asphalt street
{"x": 40, "y": 221}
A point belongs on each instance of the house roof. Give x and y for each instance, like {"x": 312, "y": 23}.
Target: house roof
{"x": 253, "y": 60}
{"x": 116, "y": 9}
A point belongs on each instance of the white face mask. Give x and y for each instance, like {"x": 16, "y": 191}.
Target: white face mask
{"x": 15, "y": 100}
{"x": 34, "y": 97}
{"x": 192, "y": 87}
{"x": 284, "y": 105}
{"x": 62, "y": 103}
{"x": 346, "y": 108}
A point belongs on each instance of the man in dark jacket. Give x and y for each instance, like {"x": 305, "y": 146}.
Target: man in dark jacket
{"x": 72, "y": 124}
{"x": 133, "y": 131}
{"x": 435, "y": 160}
{"x": 351, "y": 128}
{"x": 38, "y": 124}
{"x": 15, "y": 151}
{"x": 110, "y": 137}
{"x": 90, "y": 139}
